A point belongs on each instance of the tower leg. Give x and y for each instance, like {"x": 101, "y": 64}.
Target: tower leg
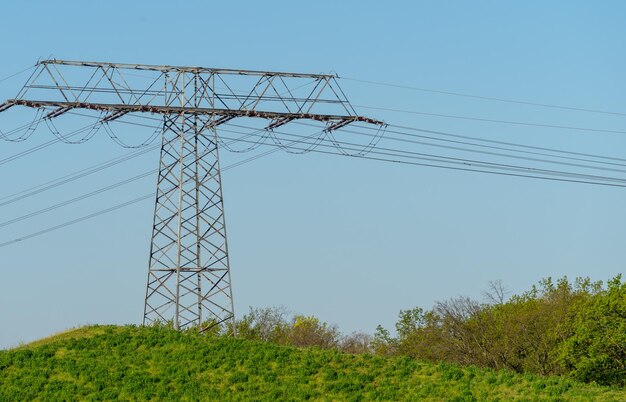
{"x": 189, "y": 272}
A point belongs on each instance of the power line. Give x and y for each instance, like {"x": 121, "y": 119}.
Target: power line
{"x": 488, "y": 98}
{"x": 503, "y": 149}
{"x": 452, "y": 160}
{"x": 16, "y": 74}
{"x": 519, "y": 123}
{"x": 478, "y": 170}
{"x": 447, "y": 134}
{"x": 78, "y": 220}
{"x": 28, "y": 127}
{"x": 45, "y": 145}
{"x": 439, "y": 157}
{"x": 79, "y": 198}
{"x": 27, "y": 152}
{"x": 387, "y": 137}
{"x": 64, "y": 137}
{"x": 72, "y": 177}
{"x": 82, "y": 218}
{"x": 456, "y": 160}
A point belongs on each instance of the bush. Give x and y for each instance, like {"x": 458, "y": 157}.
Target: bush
{"x": 271, "y": 324}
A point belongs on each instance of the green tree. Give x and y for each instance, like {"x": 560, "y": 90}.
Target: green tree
{"x": 596, "y": 348}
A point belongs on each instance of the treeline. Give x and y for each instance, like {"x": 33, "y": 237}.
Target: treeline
{"x": 564, "y": 328}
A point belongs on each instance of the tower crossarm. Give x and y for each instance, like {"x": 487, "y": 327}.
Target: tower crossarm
{"x": 63, "y": 107}
{"x": 191, "y": 69}
{"x": 119, "y": 89}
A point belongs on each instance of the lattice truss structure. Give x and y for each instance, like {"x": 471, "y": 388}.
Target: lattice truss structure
{"x": 189, "y": 280}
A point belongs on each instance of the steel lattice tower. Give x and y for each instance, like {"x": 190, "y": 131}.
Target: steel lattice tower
{"x": 189, "y": 265}
{"x": 189, "y": 281}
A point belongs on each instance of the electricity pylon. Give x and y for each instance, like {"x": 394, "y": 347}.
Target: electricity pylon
{"x": 189, "y": 281}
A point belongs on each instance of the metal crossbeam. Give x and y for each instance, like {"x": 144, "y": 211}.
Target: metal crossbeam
{"x": 189, "y": 279}
{"x": 282, "y": 118}
{"x": 165, "y": 68}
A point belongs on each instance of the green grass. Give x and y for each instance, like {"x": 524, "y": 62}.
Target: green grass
{"x": 138, "y": 363}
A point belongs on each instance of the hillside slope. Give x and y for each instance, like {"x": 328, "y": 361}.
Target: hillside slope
{"x": 108, "y": 362}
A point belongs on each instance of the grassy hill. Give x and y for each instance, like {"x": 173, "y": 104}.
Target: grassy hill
{"x": 108, "y": 362}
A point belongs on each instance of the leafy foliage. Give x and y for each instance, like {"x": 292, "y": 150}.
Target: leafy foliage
{"x": 272, "y": 325}
{"x": 595, "y": 348}
{"x": 558, "y": 328}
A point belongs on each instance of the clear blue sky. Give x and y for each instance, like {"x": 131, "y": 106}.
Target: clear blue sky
{"x": 350, "y": 241}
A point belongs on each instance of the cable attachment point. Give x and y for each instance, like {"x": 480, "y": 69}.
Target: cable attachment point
{"x": 58, "y": 112}
{"x": 7, "y": 105}
{"x": 113, "y": 116}
{"x": 219, "y": 121}
{"x": 338, "y": 125}
{"x": 279, "y": 122}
